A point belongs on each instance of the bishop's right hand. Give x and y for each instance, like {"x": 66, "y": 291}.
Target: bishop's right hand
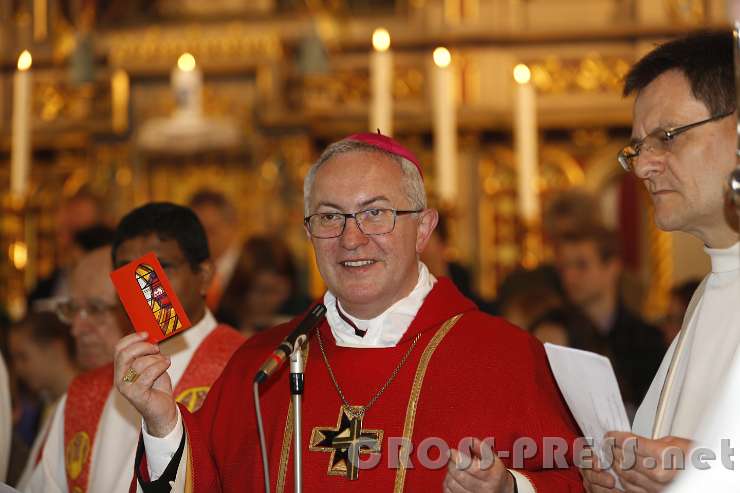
{"x": 141, "y": 377}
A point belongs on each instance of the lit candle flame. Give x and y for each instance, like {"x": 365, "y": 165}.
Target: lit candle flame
{"x": 522, "y": 74}
{"x": 24, "y": 61}
{"x": 18, "y": 253}
{"x": 442, "y": 57}
{"x": 381, "y": 39}
{"x": 186, "y": 62}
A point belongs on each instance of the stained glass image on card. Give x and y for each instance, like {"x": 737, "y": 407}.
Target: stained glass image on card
{"x": 157, "y": 298}
{"x": 149, "y": 298}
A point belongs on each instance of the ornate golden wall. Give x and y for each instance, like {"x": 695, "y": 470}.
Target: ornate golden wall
{"x": 289, "y": 102}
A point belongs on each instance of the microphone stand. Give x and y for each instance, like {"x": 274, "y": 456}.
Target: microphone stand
{"x": 296, "y": 394}
{"x": 289, "y": 348}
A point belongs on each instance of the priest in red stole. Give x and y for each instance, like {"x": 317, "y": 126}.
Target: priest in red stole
{"x": 403, "y": 377}
{"x": 92, "y": 438}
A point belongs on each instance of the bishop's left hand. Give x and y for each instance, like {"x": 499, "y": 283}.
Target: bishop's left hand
{"x": 482, "y": 472}
{"x": 638, "y": 461}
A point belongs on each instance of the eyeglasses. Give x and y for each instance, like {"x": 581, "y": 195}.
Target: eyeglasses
{"x": 326, "y": 225}
{"x": 658, "y": 141}
{"x": 67, "y": 310}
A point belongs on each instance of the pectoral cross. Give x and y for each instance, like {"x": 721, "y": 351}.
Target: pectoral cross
{"x": 346, "y": 442}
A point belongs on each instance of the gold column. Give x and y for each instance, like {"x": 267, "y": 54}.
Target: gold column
{"x": 40, "y": 19}
{"x": 120, "y": 95}
{"x": 661, "y": 271}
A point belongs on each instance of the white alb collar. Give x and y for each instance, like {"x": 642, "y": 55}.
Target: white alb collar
{"x": 724, "y": 259}
{"x": 386, "y": 329}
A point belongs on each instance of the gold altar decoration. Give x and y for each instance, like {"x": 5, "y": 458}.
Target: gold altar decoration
{"x": 85, "y": 135}
{"x": 497, "y": 219}
{"x": 591, "y": 73}
{"x": 660, "y": 259}
{"x": 233, "y": 45}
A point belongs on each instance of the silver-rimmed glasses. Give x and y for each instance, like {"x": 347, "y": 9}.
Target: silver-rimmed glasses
{"x": 326, "y": 225}
{"x": 67, "y": 310}
{"x": 658, "y": 141}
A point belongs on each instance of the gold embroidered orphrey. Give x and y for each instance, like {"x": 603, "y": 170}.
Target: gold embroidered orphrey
{"x": 78, "y": 449}
{"x": 193, "y": 397}
{"x": 408, "y": 427}
{"x": 345, "y": 443}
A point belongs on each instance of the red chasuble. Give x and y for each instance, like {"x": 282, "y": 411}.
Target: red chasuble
{"x": 88, "y": 393}
{"x": 477, "y": 377}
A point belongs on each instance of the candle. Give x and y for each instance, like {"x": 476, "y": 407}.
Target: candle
{"x": 525, "y": 131}
{"x": 381, "y": 75}
{"x": 20, "y": 161}
{"x": 445, "y": 126}
{"x": 187, "y": 84}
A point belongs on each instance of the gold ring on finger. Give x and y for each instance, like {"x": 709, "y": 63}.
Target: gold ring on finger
{"x": 130, "y": 376}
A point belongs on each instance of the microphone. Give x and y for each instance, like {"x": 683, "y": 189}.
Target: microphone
{"x": 284, "y": 350}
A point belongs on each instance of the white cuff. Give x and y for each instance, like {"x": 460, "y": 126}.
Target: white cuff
{"x": 523, "y": 485}
{"x": 159, "y": 451}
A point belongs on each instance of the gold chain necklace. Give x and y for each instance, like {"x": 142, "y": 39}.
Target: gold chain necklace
{"x": 359, "y": 411}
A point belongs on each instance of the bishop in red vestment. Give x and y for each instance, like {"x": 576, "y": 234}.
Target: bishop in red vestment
{"x": 424, "y": 364}
{"x": 480, "y": 377}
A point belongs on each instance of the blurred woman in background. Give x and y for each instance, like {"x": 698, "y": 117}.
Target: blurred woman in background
{"x": 265, "y": 289}
{"x": 43, "y": 360}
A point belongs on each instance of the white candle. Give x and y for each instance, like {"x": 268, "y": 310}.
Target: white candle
{"x": 525, "y": 132}
{"x": 445, "y": 126}
{"x": 381, "y": 76}
{"x": 20, "y": 161}
{"x": 187, "y": 84}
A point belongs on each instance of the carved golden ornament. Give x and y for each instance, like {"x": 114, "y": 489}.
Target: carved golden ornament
{"x": 57, "y": 100}
{"x": 661, "y": 270}
{"x": 687, "y": 11}
{"x": 350, "y": 87}
{"x": 159, "y": 48}
{"x": 559, "y": 169}
{"x": 593, "y": 73}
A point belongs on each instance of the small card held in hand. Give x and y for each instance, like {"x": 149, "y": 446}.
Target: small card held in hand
{"x": 149, "y": 299}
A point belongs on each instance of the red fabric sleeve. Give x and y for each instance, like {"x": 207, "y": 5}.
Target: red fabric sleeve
{"x": 555, "y": 420}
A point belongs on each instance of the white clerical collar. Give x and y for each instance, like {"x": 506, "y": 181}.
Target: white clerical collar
{"x": 724, "y": 259}
{"x": 386, "y": 329}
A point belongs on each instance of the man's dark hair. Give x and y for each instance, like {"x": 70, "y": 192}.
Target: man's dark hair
{"x": 604, "y": 239}
{"x": 94, "y": 237}
{"x": 705, "y": 58}
{"x": 169, "y": 222}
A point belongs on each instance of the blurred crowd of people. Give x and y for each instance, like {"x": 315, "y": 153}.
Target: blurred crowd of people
{"x": 577, "y": 300}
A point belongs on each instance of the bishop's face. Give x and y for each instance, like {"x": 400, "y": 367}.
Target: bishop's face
{"x": 686, "y": 183}
{"x": 368, "y": 273}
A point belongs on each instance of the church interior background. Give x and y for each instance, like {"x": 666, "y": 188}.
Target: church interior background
{"x": 282, "y": 78}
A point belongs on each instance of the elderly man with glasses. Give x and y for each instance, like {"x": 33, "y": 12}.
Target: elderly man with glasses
{"x": 402, "y": 377}
{"x": 93, "y": 435}
{"x": 684, "y": 150}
